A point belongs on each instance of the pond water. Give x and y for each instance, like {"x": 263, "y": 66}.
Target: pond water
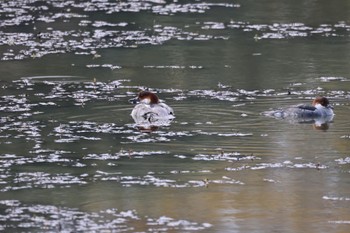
{"x": 72, "y": 160}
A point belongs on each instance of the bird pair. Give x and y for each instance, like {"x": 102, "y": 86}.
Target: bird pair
{"x": 150, "y": 111}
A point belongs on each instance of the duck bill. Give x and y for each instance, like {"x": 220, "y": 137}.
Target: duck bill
{"x": 134, "y": 101}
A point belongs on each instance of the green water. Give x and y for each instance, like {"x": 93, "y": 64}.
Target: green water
{"x": 72, "y": 160}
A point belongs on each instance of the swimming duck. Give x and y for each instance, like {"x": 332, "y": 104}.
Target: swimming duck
{"x": 320, "y": 110}
{"x": 150, "y": 111}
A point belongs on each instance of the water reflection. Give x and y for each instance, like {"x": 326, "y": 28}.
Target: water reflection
{"x": 318, "y": 123}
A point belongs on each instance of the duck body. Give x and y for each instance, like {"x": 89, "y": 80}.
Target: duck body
{"x": 320, "y": 109}
{"x": 149, "y": 110}
{"x": 303, "y": 111}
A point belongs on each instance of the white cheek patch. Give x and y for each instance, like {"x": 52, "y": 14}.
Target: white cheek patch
{"x": 146, "y": 101}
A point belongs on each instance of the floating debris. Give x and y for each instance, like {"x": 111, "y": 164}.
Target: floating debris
{"x": 343, "y": 161}
{"x": 57, "y": 218}
{"x": 235, "y": 156}
{"x": 336, "y": 198}
{"x": 83, "y": 35}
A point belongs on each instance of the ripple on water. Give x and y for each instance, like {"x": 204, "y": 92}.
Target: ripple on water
{"x": 343, "y": 160}
{"x": 289, "y": 30}
{"x": 123, "y": 154}
{"x": 83, "y": 35}
{"x": 91, "y": 34}
{"x": 75, "y": 130}
{"x": 53, "y": 91}
{"x": 333, "y": 198}
{"x": 225, "y": 157}
{"x": 172, "y": 179}
{"x": 333, "y": 78}
{"x": 57, "y": 218}
{"x": 279, "y": 165}
{"x": 30, "y": 180}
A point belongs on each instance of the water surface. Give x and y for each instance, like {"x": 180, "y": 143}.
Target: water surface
{"x": 73, "y": 160}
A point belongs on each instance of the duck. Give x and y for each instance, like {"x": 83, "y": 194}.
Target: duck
{"x": 150, "y": 111}
{"x": 319, "y": 111}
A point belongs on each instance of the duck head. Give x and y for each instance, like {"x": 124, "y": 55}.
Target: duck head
{"x": 145, "y": 97}
{"x": 321, "y": 101}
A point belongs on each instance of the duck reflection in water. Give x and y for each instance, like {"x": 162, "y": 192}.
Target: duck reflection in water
{"x": 320, "y": 113}
{"x": 150, "y": 113}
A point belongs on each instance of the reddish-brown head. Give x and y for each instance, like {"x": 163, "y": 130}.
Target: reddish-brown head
{"x": 148, "y": 97}
{"x": 321, "y": 100}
